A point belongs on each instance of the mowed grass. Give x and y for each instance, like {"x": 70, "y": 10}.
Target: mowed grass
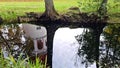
{"x": 60, "y": 6}
{"x": 10, "y": 10}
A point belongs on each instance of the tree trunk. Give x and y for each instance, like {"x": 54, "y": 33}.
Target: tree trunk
{"x": 97, "y": 30}
{"x": 50, "y": 38}
{"x": 50, "y": 11}
{"x": 103, "y": 9}
{"x": 96, "y": 36}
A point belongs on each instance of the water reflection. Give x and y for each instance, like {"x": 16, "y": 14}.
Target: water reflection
{"x": 18, "y": 41}
{"x": 87, "y": 47}
{"x": 73, "y": 47}
{"x": 110, "y": 52}
{"x": 11, "y": 40}
{"x": 67, "y": 50}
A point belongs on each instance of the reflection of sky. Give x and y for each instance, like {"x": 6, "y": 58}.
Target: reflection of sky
{"x": 65, "y": 49}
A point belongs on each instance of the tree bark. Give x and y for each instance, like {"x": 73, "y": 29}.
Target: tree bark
{"x": 103, "y": 8}
{"x": 50, "y": 11}
{"x": 97, "y": 30}
{"x": 50, "y": 38}
{"x": 96, "y": 36}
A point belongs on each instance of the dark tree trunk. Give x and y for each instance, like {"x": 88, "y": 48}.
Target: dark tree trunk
{"x": 50, "y": 38}
{"x": 97, "y": 30}
{"x": 1, "y": 20}
{"x": 96, "y": 36}
{"x": 50, "y": 11}
{"x": 103, "y": 8}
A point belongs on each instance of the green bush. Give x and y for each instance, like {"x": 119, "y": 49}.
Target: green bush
{"x": 113, "y": 6}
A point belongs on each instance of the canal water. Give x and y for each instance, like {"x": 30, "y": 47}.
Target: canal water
{"x": 65, "y": 49}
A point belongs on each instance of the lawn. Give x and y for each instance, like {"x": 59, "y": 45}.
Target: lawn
{"x": 10, "y": 10}
{"x": 21, "y": 7}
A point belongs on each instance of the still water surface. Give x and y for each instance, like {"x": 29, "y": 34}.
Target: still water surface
{"x": 65, "y": 49}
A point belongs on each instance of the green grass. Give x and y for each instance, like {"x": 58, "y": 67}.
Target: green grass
{"x": 62, "y": 6}
{"x": 19, "y": 8}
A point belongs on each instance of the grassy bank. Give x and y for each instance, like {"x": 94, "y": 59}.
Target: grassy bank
{"x": 10, "y": 10}
{"x": 21, "y": 7}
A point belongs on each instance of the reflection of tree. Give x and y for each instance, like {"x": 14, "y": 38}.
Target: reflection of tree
{"x": 109, "y": 50}
{"x": 11, "y": 41}
{"x": 110, "y": 56}
{"x": 87, "y": 49}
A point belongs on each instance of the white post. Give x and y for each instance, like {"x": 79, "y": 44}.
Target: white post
{"x": 35, "y": 45}
{"x": 44, "y": 44}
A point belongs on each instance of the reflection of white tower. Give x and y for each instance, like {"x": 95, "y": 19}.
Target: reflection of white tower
{"x": 38, "y": 34}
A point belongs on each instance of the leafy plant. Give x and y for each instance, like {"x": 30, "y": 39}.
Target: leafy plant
{"x": 19, "y": 51}
{"x": 110, "y": 56}
{"x": 93, "y": 5}
{"x": 87, "y": 49}
{"x": 11, "y": 62}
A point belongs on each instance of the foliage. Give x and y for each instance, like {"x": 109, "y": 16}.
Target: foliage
{"x": 110, "y": 55}
{"x": 17, "y": 49}
{"x": 89, "y": 5}
{"x": 87, "y": 47}
{"x": 93, "y": 5}
{"x": 11, "y": 62}
{"x": 13, "y": 40}
{"x": 109, "y": 49}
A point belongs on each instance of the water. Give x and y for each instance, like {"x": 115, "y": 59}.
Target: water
{"x": 65, "y": 49}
